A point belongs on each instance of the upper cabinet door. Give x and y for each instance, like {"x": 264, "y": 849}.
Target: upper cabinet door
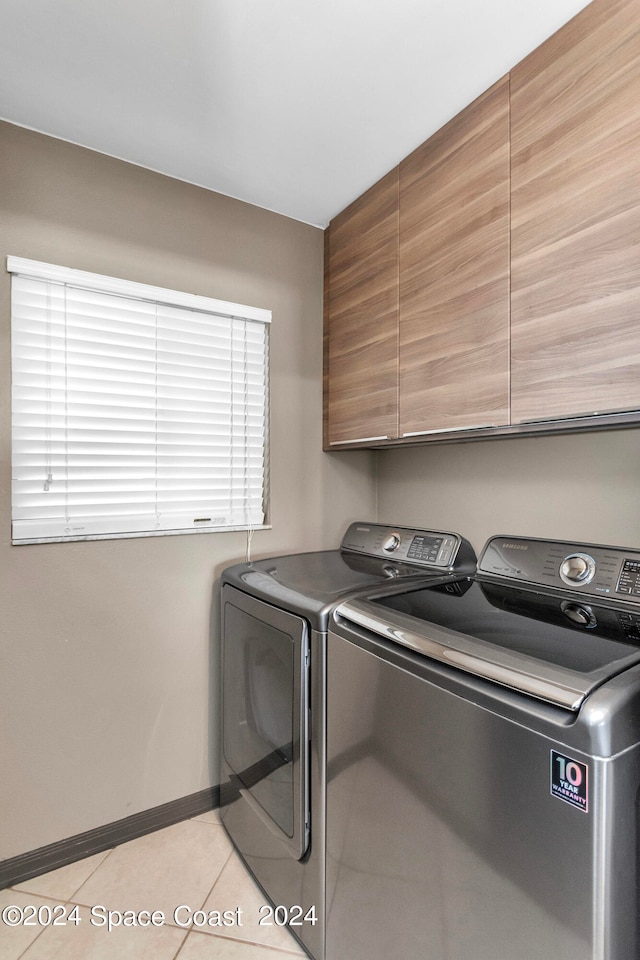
{"x": 575, "y": 121}
{"x": 454, "y": 272}
{"x": 362, "y": 325}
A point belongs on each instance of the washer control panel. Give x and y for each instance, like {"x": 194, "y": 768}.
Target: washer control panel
{"x": 601, "y": 571}
{"x": 409, "y": 545}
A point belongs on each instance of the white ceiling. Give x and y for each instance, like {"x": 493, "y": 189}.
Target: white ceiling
{"x": 294, "y": 105}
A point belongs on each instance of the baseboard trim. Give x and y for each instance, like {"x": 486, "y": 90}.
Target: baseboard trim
{"x": 59, "y": 854}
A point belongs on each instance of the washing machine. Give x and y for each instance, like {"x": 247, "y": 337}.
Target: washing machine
{"x": 275, "y": 614}
{"x": 483, "y": 787}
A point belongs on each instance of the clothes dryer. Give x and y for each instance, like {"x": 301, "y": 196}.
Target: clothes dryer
{"x": 275, "y": 614}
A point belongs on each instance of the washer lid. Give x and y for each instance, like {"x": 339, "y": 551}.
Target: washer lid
{"x": 552, "y": 648}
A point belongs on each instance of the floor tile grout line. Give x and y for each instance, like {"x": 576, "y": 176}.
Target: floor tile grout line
{"x": 230, "y": 854}
{"x": 182, "y": 943}
{"x": 220, "y": 872}
{"x": 56, "y": 900}
{"x": 249, "y": 943}
{"x": 97, "y": 867}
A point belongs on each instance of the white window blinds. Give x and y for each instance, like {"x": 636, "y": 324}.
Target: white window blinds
{"x": 136, "y": 410}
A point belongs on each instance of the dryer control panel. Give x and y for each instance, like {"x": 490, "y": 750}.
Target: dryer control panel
{"x": 429, "y": 548}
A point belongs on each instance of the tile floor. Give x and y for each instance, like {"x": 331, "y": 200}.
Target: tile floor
{"x": 191, "y": 864}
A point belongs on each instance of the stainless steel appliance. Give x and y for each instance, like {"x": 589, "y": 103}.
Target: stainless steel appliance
{"x": 274, "y": 622}
{"x": 483, "y": 790}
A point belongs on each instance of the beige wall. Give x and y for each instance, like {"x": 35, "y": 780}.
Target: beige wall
{"x": 575, "y": 487}
{"x": 108, "y": 648}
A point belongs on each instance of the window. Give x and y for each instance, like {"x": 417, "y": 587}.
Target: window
{"x": 136, "y": 410}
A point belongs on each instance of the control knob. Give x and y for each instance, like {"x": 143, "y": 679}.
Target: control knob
{"x": 579, "y": 614}
{"x": 391, "y": 543}
{"x": 577, "y": 568}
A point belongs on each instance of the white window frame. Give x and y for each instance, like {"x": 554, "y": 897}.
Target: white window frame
{"x": 136, "y": 410}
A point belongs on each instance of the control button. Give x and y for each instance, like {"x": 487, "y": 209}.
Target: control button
{"x": 391, "y": 543}
{"x": 577, "y": 568}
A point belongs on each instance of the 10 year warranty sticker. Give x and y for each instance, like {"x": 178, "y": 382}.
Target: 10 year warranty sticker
{"x": 570, "y": 780}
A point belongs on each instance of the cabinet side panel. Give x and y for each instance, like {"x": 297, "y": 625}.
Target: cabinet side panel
{"x": 454, "y": 272}
{"x": 575, "y": 111}
{"x": 325, "y": 342}
{"x": 362, "y": 377}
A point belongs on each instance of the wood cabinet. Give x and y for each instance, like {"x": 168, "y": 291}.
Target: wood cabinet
{"x": 492, "y": 281}
{"x": 575, "y": 218}
{"x": 361, "y": 291}
{"x": 454, "y": 272}
{"x": 418, "y": 276}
